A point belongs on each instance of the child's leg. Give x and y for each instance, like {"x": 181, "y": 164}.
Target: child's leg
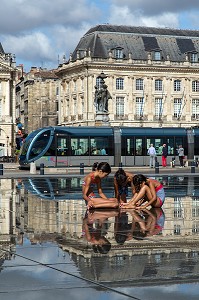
{"x": 102, "y": 203}
{"x": 144, "y": 192}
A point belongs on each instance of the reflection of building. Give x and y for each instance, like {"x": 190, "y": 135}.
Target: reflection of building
{"x": 168, "y": 257}
{"x": 7, "y": 218}
{"x": 152, "y": 76}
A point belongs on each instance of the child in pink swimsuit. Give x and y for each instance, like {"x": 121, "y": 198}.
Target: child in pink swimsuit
{"x": 148, "y": 191}
{"x": 93, "y": 179}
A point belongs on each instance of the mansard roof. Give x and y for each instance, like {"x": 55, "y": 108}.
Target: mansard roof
{"x": 138, "y": 41}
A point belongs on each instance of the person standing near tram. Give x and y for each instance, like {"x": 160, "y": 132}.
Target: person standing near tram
{"x": 164, "y": 155}
{"x": 152, "y": 153}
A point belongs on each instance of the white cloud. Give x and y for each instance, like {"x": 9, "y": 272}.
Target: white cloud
{"x": 126, "y": 17}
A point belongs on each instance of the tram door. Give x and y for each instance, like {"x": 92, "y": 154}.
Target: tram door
{"x": 140, "y": 159}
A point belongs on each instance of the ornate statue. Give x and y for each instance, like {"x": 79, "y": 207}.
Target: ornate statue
{"x": 102, "y": 96}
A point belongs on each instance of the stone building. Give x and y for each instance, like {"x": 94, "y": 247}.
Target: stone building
{"x": 8, "y": 73}
{"x": 37, "y": 95}
{"x": 151, "y": 73}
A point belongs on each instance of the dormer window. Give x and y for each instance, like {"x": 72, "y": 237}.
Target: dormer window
{"x": 157, "y": 55}
{"x": 118, "y": 53}
{"x": 193, "y": 57}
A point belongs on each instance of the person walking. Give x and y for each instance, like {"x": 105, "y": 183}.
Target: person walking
{"x": 164, "y": 155}
{"x": 152, "y": 154}
{"x": 181, "y": 155}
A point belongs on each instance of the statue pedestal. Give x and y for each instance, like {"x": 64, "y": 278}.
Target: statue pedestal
{"x": 102, "y": 119}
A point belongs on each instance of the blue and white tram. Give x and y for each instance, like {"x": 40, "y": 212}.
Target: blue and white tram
{"x": 70, "y": 146}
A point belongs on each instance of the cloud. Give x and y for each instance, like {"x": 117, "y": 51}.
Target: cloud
{"x": 26, "y": 15}
{"x": 137, "y": 18}
{"x": 156, "y": 7}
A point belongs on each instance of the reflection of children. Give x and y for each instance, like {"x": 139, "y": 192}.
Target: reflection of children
{"x": 101, "y": 171}
{"x": 122, "y": 180}
{"x": 94, "y": 234}
{"x": 146, "y": 189}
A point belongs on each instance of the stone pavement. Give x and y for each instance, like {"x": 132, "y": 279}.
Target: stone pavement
{"x": 12, "y": 170}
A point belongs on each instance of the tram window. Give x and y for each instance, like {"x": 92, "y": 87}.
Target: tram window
{"x": 128, "y": 147}
{"x": 39, "y": 145}
{"x": 157, "y": 143}
{"x": 99, "y": 146}
{"x": 170, "y": 146}
{"x": 196, "y": 146}
{"x": 79, "y": 146}
{"x": 138, "y": 146}
{"x": 62, "y": 146}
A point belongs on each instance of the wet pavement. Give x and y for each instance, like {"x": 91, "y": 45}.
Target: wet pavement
{"x": 51, "y": 248}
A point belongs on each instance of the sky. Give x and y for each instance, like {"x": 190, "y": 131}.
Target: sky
{"x": 40, "y": 32}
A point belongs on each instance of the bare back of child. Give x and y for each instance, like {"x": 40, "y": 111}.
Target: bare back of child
{"x": 93, "y": 179}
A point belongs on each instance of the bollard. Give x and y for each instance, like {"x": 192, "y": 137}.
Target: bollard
{"x": 41, "y": 169}
{"x": 33, "y": 168}
{"x": 120, "y": 165}
{"x": 157, "y": 167}
{"x": 173, "y": 162}
{"x": 81, "y": 169}
{"x": 193, "y": 167}
{"x": 1, "y": 169}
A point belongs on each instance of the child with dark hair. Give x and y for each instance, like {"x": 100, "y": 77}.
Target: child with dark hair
{"x": 147, "y": 190}
{"x": 122, "y": 180}
{"x": 93, "y": 229}
{"x": 93, "y": 179}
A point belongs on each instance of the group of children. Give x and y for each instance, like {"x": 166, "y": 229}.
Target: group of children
{"x": 145, "y": 191}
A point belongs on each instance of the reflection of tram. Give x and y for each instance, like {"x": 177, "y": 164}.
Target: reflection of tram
{"x": 65, "y": 146}
{"x": 63, "y": 188}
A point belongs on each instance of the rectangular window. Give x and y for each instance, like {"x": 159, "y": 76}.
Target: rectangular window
{"x": 62, "y": 146}
{"x": 157, "y": 143}
{"x": 177, "y": 107}
{"x": 0, "y": 108}
{"x": 119, "y": 83}
{"x": 139, "y": 109}
{"x": 99, "y": 146}
{"x": 75, "y": 106}
{"x": 157, "y": 55}
{"x": 158, "y": 107}
{"x": 139, "y": 147}
{"x": 79, "y": 146}
{"x": 119, "y": 106}
{"x": 139, "y": 84}
{"x": 99, "y": 82}
{"x": 195, "y": 109}
{"x": 177, "y": 85}
{"x": 158, "y": 85}
{"x": 177, "y": 207}
{"x": 194, "y": 57}
{"x": 195, "y": 86}
{"x": 118, "y": 53}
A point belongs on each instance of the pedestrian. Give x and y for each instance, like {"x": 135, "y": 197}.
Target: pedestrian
{"x": 164, "y": 155}
{"x": 93, "y": 179}
{"x": 152, "y": 154}
{"x": 181, "y": 155}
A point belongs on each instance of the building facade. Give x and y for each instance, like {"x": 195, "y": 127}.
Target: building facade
{"x": 37, "y": 95}
{"x": 8, "y": 74}
{"x": 151, "y": 74}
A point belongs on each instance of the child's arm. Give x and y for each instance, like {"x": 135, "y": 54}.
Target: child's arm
{"x": 86, "y": 188}
{"x": 116, "y": 188}
{"x": 100, "y": 190}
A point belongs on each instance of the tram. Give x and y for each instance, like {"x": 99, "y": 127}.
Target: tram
{"x": 61, "y": 146}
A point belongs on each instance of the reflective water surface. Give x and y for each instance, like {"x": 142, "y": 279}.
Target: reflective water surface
{"x": 51, "y": 248}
